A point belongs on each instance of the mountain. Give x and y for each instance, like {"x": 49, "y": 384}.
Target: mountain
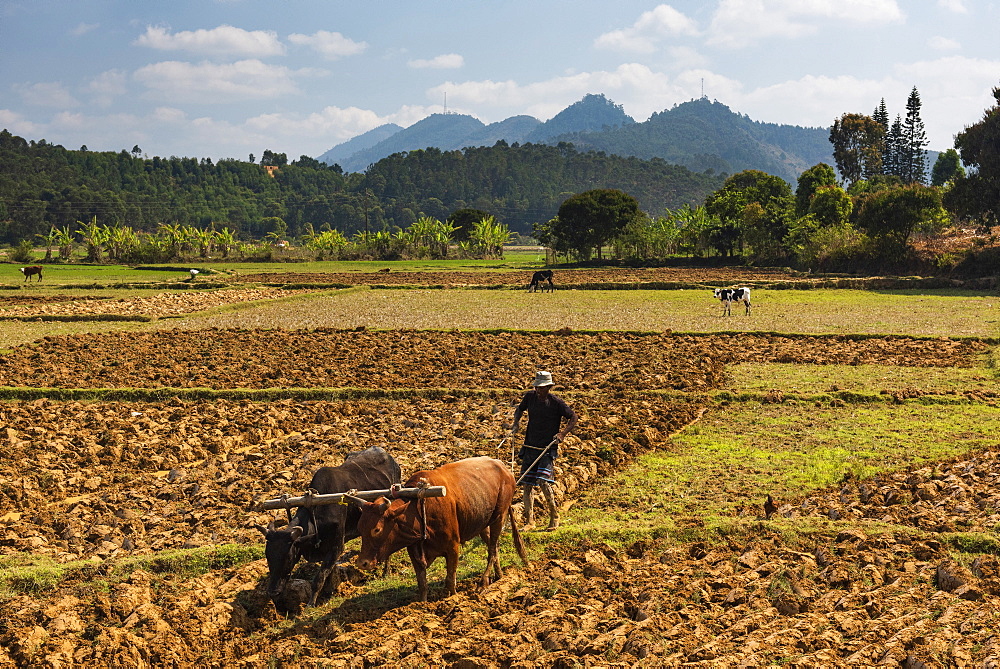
{"x": 512, "y": 130}
{"x": 594, "y": 113}
{"x": 340, "y": 153}
{"x": 702, "y": 135}
{"x": 447, "y": 132}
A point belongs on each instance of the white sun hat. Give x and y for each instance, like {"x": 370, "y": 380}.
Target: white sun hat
{"x": 543, "y": 379}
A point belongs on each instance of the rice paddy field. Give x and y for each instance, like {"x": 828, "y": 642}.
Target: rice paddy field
{"x": 142, "y": 419}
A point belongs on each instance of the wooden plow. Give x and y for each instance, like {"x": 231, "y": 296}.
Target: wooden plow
{"x": 311, "y": 498}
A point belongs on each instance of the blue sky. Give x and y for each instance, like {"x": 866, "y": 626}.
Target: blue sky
{"x": 226, "y": 78}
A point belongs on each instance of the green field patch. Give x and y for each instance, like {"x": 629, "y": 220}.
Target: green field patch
{"x": 804, "y": 379}
{"x": 738, "y": 454}
{"x": 950, "y": 313}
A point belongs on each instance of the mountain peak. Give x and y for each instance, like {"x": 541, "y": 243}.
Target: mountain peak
{"x": 594, "y": 113}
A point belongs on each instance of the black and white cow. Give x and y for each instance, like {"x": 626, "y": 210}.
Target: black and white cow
{"x": 539, "y": 279}
{"x": 730, "y": 295}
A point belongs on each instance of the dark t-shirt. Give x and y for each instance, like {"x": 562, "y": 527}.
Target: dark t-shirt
{"x": 544, "y": 417}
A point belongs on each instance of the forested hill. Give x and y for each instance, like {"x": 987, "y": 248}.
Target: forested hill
{"x": 523, "y": 184}
{"x": 44, "y": 185}
{"x": 705, "y": 135}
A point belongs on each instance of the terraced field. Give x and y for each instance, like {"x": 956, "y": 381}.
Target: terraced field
{"x": 126, "y": 529}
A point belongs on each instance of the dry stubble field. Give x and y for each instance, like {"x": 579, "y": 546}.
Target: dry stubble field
{"x": 867, "y": 572}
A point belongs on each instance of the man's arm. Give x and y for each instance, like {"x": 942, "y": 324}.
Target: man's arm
{"x": 517, "y": 419}
{"x": 570, "y": 425}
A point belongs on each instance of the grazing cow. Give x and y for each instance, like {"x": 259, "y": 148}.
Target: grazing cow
{"x": 318, "y": 534}
{"x": 539, "y": 280}
{"x": 730, "y": 295}
{"x": 28, "y": 272}
{"x": 479, "y": 493}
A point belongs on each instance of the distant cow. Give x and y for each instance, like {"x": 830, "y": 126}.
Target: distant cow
{"x": 539, "y": 280}
{"x": 318, "y": 534}
{"x": 28, "y": 272}
{"x": 479, "y": 493}
{"x": 730, "y": 295}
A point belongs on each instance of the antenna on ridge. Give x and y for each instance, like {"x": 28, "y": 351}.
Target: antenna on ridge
{"x": 446, "y": 102}
{"x": 703, "y": 87}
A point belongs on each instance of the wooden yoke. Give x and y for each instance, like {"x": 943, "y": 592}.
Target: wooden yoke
{"x": 311, "y": 499}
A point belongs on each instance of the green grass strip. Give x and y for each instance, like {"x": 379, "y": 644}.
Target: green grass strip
{"x": 27, "y": 574}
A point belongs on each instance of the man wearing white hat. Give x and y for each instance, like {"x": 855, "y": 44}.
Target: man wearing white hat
{"x": 542, "y": 437}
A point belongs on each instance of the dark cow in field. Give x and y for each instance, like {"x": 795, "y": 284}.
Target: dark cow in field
{"x": 730, "y": 295}
{"x": 541, "y": 279}
{"x": 318, "y": 534}
{"x": 479, "y": 494}
{"x": 29, "y": 272}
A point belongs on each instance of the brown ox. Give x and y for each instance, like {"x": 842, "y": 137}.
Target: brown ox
{"x": 479, "y": 493}
{"x": 29, "y": 272}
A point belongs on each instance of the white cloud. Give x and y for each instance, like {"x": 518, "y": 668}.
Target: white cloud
{"x": 447, "y": 61}
{"x": 222, "y": 41}
{"x": 333, "y": 124}
{"x": 943, "y": 84}
{"x": 740, "y": 23}
{"x": 651, "y": 28}
{"x": 46, "y": 94}
{"x": 210, "y": 83}
{"x": 685, "y": 58}
{"x": 18, "y": 125}
{"x": 957, "y": 6}
{"x": 332, "y": 45}
{"x": 939, "y": 43}
{"x": 105, "y": 87}
{"x": 815, "y": 101}
{"x": 640, "y": 90}
{"x": 84, "y": 28}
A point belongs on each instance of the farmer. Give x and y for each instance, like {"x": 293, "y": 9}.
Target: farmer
{"x": 542, "y": 437}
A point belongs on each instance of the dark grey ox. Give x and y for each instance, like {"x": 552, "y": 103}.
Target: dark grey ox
{"x": 318, "y": 534}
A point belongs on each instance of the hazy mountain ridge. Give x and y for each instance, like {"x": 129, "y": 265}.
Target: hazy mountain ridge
{"x": 449, "y": 132}
{"x": 703, "y": 135}
{"x": 339, "y": 154}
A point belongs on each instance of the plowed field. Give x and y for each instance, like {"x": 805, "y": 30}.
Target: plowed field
{"x": 159, "y": 305}
{"x": 416, "y": 359}
{"x": 861, "y": 574}
{"x": 117, "y": 479}
{"x": 722, "y": 275}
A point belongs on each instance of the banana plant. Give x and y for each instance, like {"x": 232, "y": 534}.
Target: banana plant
{"x": 94, "y": 237}
{"x": 488, "y": 237}
{"x": 225, "y": 241}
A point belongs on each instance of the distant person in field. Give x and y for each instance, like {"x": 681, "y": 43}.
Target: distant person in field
{"x": 542, "y": 437}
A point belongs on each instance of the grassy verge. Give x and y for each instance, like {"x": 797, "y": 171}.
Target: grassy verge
{"x": 27, "y": 574}
{"x": 810, "y": 379}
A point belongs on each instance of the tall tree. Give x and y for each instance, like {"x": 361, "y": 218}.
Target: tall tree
{"x": 589, "y": 220}
{"x": 892, "y": 156}
{"x": 947, "y": 166}
{"x": 751, "y": 207}
{"x": 977, "y": 195}
{"x": 857, "y": 146}
{"x": 913, "y": 155}
{"x": 881, "y": 116}
{"x": 809, "y": 182}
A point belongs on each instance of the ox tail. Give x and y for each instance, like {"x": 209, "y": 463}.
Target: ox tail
{"x": 516, "y": 533}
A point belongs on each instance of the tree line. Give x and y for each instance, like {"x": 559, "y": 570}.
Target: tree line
{"x": 864, "y": 222}
{"x": 44, "y": 186}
